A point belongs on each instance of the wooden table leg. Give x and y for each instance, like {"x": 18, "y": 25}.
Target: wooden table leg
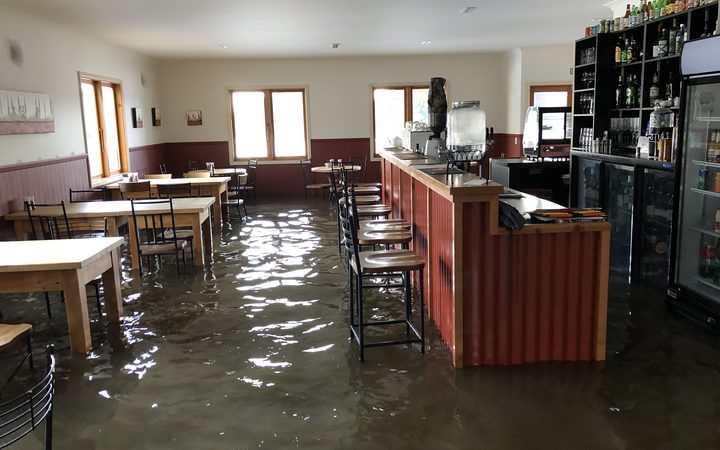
{"x": 224, "y": 199}
{"x": 77, "y": 312}
{"x": 207, "y": 236}
{"x": 111, "y": 285}
{"x": 112, "y": 225}
{"x": 19, "y": 230}
{"x": 198, "y": 240}
{"x": 217, "y": 207}
{"x": 133, "y": 246}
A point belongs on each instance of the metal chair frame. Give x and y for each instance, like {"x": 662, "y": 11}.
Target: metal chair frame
{"x": 24, "y": 413}
{"x": 155, "y": 228}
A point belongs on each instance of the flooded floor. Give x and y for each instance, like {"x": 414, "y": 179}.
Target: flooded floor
{"x": 253, "y": 352}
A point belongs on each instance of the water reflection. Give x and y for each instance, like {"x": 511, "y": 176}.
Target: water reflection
{"x": 253, "y": 352}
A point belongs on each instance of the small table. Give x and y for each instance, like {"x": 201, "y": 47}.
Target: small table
{"x": 335, "y": 169}
{"x": 189, "y": 212}
{"x": 65, "y": 265}
{"x": 229, "y": 171}
{"x": 211, "y": 187}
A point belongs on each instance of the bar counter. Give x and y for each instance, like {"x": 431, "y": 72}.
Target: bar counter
{"x": 500, "y": 297}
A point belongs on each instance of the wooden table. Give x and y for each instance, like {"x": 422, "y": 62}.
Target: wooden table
{"x": 65, "y": 265}
{"x": 327, "y": 170}
{"x": 189, "y": 212}
{"x": 229, "y": 171}
{"x": 211, "y": 187}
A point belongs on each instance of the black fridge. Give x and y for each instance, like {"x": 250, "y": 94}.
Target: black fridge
{"x": 695, "y": 263}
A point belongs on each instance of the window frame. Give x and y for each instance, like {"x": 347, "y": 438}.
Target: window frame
{"x": 407, "y": 88}
{"x": 98, "y": 82}
{"x": 567, "y": 88}
{"x": 269, "y": 126}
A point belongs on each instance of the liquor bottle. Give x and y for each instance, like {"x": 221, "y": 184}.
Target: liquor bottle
{"x": 673, "y": 37}
{"x": 619, "y": 91}
{"x": 634, "y": 16}
{"x": 680, "y": 40}
{"x": 623, "y": 56}
{"x": 630, "y": 51}
{"x": 629, "y": 93}
{"x": 656, "y": 45}
{"x": 663, "y": 43}
{"x": 626, "y": 18}
{"x": 706, "y": 27}
{"x": 654, "y": 88}
{"x": 669, "y": 87}
{"x": 619, "y": 51}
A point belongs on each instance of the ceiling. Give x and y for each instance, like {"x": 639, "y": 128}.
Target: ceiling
{"x": 296, "y": 28}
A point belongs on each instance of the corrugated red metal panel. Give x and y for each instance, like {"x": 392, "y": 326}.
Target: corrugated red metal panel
{"x": 440, "y": 304}
{"x": 395, "y": 200}
{"x": 515, "y": 313}
{"x": 406, "y": 199}
{"x": 420, "y": 227}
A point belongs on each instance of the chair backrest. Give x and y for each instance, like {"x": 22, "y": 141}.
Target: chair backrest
{"x": 181, "y": 190}
{"x": 193, "y": 165}
{"x": 308, "y": 176}
{"x": 198, "y": 174}
{"x": 24, "y": 413}
{"x": 362, "y": 176}
{"x": 135, "y": 190}
{"x": 155, "y": 223}
{"x": 158, "y": 176}
{"x": 89, "y": 195}
{"x": 348, "y": 215}
{"x": 163, "y": 168}
{"x": 46, "y": 223}
{"x": 251, "y": 172}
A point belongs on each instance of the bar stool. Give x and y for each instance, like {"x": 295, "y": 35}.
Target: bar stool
{"x": 380, "y": 263}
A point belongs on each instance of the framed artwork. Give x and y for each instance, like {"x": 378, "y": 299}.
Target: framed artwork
{"x": 137, "y": 119}
{"x": 155, "y": 112}
{"x": 194, "y": 117}
{"x": 25, "y": 113}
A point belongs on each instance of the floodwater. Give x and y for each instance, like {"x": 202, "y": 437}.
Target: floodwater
{"x": 253, "y": 351}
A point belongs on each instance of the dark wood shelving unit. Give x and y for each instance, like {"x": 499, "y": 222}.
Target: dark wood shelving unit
{"x": 618, "y": 182}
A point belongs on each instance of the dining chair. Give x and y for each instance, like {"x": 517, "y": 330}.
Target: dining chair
{"x": 249, "y": 186}
{"x": 364, "y": 264}
{"x": 100, "y": 194}
{"x": 198, "y": 173}
{"x": 12, "y": 333}
{"x": 311, "y": 185}
{"x": 151, "y": 232}
{"x": 360, "y": 180}
{"x": 24, "y": 413}
{"x": 45, "y": 224}
{"x": 193, "y": 165}
{"x": 182, "y": 190}
{"x": 234, "y": 193}
{"x": 135, "y": 190}
{"x": 163, "y": 168}
{"x": 89, "y": 227}
{"x": 158, "y": 176}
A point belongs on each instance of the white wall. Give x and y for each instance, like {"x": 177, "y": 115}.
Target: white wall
{"x": 513, "y": 90}
{"x": 53, "y": 55}
{"x": 339, "y": 89}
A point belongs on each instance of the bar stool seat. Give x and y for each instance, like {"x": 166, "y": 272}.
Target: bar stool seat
{"x": 385, "y": 224}
{"x": 367, "y": 190}
{"x": 383, "y": 237}
{"x": 385, "y": 261}
{"x": 373, "y": 210}
{"x": 362, "y": 200}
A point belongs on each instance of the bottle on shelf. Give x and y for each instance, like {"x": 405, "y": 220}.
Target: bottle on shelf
{"x": 656, "y": 45}
{"x": 706, "y": 27}
{"x": 713, "y": 146}
{"x": 672, "y": 37}
{"x": 701, "y": 179}
{"x": 623, "y": 56}
{"x": 669, "y": 90}
{"x": 630, "y": 51}
{"x": 663, "y": 43}
{"x": 680, "y": 39}
{"x": 629, "y": 92}
{"x": 707, "y": 257}
{"x": 619, "y": 49}
{"x": 626, "y": 18}
{"x": 654, "y": 88}
{"x": 619, "y": 93}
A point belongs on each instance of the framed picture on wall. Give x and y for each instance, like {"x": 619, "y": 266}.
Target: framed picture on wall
{"x": 137, "y": 119}
{"x": 155, "y": 112}
{"x": 194, "y": 117}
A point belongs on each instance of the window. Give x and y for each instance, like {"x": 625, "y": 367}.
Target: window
{"x": 269, "y": 124}
{"x": 549, "y": 96}
{"x": 392, "y": 107}
{"x": 104, "y": 127}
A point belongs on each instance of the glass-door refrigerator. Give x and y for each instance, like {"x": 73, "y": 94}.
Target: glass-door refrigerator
{"x": 695, "y": 265}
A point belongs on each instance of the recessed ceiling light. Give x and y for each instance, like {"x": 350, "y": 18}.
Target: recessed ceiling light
{"x": 425, "y": 42}
{"x": 223, "y": 46}
{"x": 468, "y": 9}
